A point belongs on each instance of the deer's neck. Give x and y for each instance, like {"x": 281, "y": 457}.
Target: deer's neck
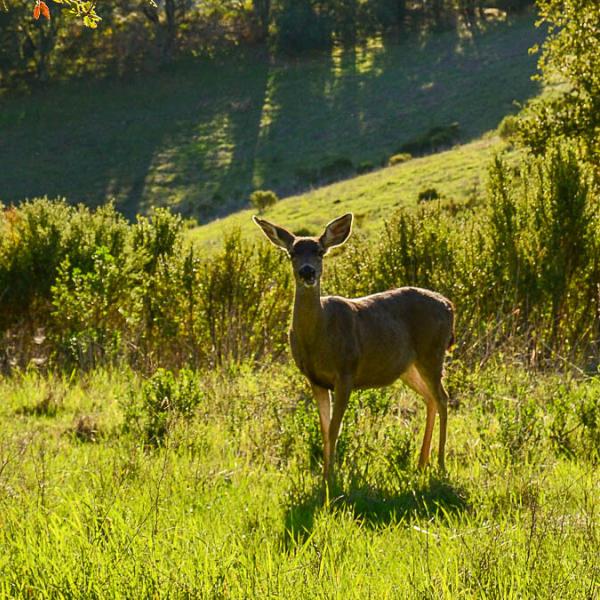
{"x": 307, "y": 313}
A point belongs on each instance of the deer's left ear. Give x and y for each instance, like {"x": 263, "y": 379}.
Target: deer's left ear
{"x": 337, "y": 232}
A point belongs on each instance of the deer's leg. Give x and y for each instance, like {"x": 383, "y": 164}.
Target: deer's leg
{"x": 426, "y": 446}
{"x": 323, "y": 400}
{"x": 341, "y": 395}
{"x": 442, "y": 397}
{"x": 415, "y": 380}
{"x": 437, "y": 400}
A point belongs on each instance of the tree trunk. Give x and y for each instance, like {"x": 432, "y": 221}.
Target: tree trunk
{"x": 170, "y": 32}
{"x": 262, "y": 14}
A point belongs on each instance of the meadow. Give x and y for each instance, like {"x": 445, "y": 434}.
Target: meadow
{"x": 230, "y": 504}
{"x": 156, "y": 439}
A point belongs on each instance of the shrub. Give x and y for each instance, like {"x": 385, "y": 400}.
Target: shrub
{"x": 263, "y": 199}
{"x": 441, "y": 136}
{"x": 244, "y": 296}
{"x": 428, "y": 194}
{"x": 397, "y": 159}
{"x": 164, "y": 397}
{"x": 508, "y": 127}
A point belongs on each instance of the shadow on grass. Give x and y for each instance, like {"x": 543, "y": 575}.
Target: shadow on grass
{"x": 200, "y": 135}
{"x": 377, "y": 506}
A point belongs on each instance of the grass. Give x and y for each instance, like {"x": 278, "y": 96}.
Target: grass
{"x": 200, "y": 136}
{"x": 459, "y": 175}
{"x": 231, "y": 505}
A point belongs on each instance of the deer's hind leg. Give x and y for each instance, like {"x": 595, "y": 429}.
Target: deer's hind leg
{"x": 413, "y": 378}
{"x": 427, "y": 383}
{"x": 437, "y": 400}
{"x": 442, "y": 398}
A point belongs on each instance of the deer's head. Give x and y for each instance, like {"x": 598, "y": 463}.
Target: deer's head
{"x": 306, "y": 253}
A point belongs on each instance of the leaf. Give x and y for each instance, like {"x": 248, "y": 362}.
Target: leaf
{"x": 36, "y": 12}
{"x": 45, "y": 10}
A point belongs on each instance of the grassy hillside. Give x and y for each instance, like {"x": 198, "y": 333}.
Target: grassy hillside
{"x": 457, "y": 174}
{"x": 230, "y": 506}
{"x": 201, "y": 135}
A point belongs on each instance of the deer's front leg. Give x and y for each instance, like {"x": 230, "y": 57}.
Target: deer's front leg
{"x": 341, "y": 395}
{"x": 323, "y": 400}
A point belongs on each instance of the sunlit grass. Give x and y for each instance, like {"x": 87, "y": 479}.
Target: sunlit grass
{"x": 459, "y": 174}
{"x": 232, "y": 506}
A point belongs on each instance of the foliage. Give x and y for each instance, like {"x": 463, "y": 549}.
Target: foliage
{"x": 398, "y": 159}
{"x": 84, "y": 36}
{"x": 428, "y": 194}
{"x": 164, "y": 397}
{"x": 263, "y": 199}
{"x": 522, "y": 272}
{"x": 95, "y": 290}
{"x": 570, "y": 56}
{"x": 508, "y": 127}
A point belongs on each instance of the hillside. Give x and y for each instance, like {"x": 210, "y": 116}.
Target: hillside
{"x": 457, "y": 174}
{"x": 201, "y": 135}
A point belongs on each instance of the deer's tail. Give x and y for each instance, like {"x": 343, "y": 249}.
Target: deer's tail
{"x": 452, "y": 339}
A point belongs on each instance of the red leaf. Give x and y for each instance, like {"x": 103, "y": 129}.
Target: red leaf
{"x": 36, "y": 12}
{"x": 45, "y": 10}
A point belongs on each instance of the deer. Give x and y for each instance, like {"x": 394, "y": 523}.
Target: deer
{"x": 342, "y": 344}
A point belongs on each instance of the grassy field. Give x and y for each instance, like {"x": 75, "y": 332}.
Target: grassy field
{"x": 200, "y": 136}
{"x": 459, "y": 175}
{"x": 231, "y": 505}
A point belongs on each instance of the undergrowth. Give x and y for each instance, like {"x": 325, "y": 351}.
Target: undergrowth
{"x": 230, "y": 503}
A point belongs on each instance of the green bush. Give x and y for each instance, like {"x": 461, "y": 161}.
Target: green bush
{"x": 428, "y": 194}
{"x": 164, "y": 398}
{"x": 508, "y": 127}
{"x": 397, "y": 159}
{"x": 436, "y": 138}
{"x": 522, "y": 270}
{"x": 263, "y": 199}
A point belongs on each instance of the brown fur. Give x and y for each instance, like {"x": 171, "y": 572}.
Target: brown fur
{"x": 342, "y": 344}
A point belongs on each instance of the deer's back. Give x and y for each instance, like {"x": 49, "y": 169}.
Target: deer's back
{"x": 381, "y": 335}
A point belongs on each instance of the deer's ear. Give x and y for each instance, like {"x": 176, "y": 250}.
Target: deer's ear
{"x": 337, "y": 232}
{"x": 279, "y": 236}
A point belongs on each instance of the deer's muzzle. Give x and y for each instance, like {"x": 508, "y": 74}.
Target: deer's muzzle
{"x": 308, "y": 275}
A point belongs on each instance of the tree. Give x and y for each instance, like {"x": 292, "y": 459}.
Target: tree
{"x": 570, "y": 56}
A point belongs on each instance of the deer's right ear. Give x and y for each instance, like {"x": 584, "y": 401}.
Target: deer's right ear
{"x": 279, "y": 236}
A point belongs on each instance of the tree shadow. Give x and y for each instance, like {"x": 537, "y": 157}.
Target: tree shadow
{"x": 201, "y": 135}
{"x": 376, "y": 505}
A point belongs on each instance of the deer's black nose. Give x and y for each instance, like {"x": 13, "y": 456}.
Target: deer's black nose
{"x": 307, "y": 273}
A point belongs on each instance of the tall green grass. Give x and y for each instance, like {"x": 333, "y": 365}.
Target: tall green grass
{"x": 230, "y": 505}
